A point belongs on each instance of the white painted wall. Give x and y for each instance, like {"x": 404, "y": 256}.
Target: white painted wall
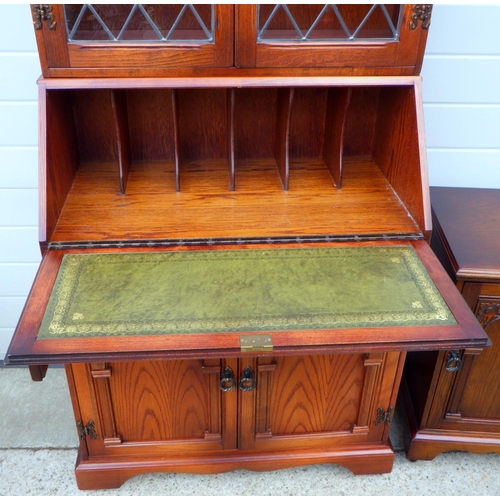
{"x": 461, "y": 90}
{"x": 462, "y": 117}
{"x": 19, "y": 252}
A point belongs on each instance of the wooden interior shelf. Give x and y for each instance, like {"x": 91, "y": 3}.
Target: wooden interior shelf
{"x": 152, "y": 209}
{"x": 226, "y": 162}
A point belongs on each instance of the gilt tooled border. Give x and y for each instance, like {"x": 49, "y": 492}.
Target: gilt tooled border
{"x": 67, "y": 281}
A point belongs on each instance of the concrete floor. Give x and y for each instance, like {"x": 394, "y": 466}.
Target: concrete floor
{"x": 38, "y": 451}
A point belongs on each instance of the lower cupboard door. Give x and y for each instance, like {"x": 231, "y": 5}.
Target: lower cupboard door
{"x": 304, "y": 402}
{"x": 154, "y": 407}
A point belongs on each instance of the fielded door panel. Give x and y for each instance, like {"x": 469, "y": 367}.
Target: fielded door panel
{"x": 304, "y": 402}
{"x": 331, "y": 36}
{"x": 154, "y": 407}
{"x": 132, "y": 39}
{"x": 469, "y": 398}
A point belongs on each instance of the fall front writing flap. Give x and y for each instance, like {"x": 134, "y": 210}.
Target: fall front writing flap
{"x": 224, "y": 291}
{"x": 204, "y": 299}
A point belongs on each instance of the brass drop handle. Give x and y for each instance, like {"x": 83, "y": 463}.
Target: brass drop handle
{"x": 227, "y": 382}
{"x": 247, "y": 380}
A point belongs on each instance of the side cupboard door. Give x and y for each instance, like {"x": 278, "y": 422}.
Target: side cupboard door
{"x": 468, "y": 397}
{"x": 154, "y": 407}
{"x": 303, "y": 402}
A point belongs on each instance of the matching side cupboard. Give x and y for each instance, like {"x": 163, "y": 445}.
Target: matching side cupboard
{"x": 456, "y": 406}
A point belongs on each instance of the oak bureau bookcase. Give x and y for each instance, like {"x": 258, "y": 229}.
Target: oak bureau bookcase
{"x": 234, "y": 221}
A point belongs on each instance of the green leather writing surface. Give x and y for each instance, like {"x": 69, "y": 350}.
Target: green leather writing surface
{"x": 241, "y": 291}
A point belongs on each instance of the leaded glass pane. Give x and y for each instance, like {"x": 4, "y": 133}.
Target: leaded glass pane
{"x": 139, "y": 23}
{"x": 327, "y": 22}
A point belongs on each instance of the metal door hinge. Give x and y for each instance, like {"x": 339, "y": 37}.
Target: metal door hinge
{"x": 86, "y": 430}
{"x": 256, "y": 343}
{"x": 421, "y": 12}
{"x": 43, "y": 13}
{"x": 384, "y": 417}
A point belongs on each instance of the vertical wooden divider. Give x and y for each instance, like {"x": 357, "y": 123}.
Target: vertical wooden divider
{"x": 336, "y": 113}
{"x": 283, "y": 115}
{"x": 177, "y": 140}
{"x": 230, "y": 100}
{"x": 119, "y": 105}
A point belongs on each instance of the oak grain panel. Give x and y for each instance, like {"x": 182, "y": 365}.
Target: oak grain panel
{"x": 151, "y": 124}
{"x": 205, "y": 208}
{"x": 316, "y": 394}
{"x": 95, "y": 126}
{"x": 202, "y": 123}
{"x": 160, "y": 401}
{"x": 255, "y": 123}
{"x": 58, "y": 147}
{"x": 481, "y": 396}
{"x": 396, "y": 147}
{"x": 361, "y": 121}
{"x": 307, "y": 122}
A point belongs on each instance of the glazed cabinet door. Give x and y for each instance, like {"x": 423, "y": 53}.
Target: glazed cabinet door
{"x": 350, "y": 36}
{"x": 303, "y": 402}
{"x": 469, "y": 397}
{"x": 154, "y": 407}
{"x": 132, "y": 39}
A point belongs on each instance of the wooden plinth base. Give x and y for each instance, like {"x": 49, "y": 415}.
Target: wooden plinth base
{"x": 427, "y": 444}
{"x": 112, "y": 472}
